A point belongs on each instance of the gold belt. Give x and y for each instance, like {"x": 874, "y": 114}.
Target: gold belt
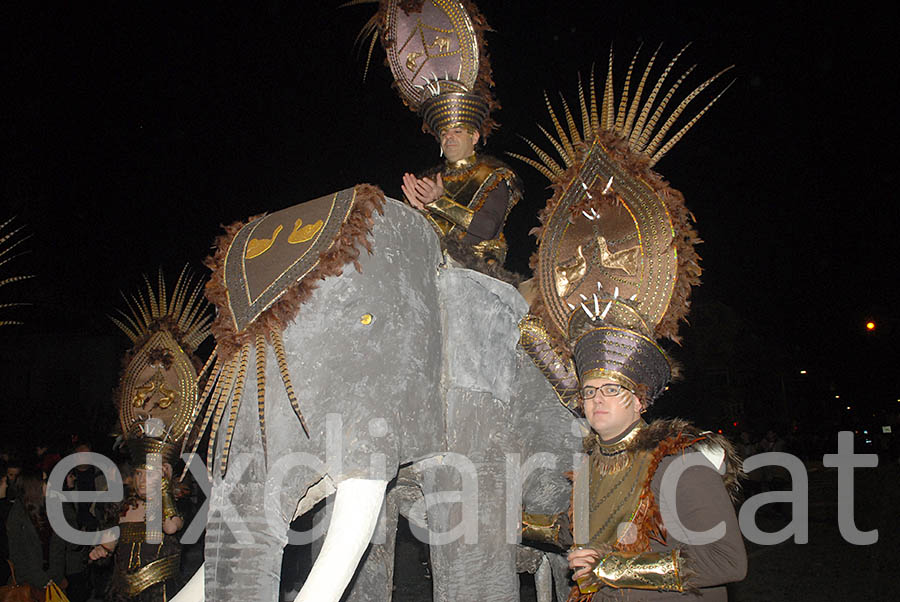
{"x": 155, "y": 572}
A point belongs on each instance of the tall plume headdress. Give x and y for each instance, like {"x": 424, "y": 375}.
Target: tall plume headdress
{"x": 436, "y": 52}
{"x": 157, "y": 393}
{"x": 616, "y": 260}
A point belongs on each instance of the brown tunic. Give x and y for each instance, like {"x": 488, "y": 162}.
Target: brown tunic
{"x": 702, "y": 501}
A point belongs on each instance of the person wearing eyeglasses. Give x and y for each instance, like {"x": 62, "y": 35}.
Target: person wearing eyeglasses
{"x": 635, "y": 537}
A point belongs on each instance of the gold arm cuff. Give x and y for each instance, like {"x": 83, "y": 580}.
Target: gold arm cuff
{"x": 153, "y": 573}
{"x": 542, "y": 528}
{"x": 452, "y": 212}
{"x": 646, "y": 570}
{"x": 168, "y": 502}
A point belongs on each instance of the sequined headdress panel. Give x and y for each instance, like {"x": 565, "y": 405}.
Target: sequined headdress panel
{"x": 436, "y": 52}
{"x": 158, "y": 387}
{"x": 616, "y": 260}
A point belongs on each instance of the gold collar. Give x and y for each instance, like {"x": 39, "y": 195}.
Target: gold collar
{"x": 622, "y": 442}
{"x": 462, "y": 163}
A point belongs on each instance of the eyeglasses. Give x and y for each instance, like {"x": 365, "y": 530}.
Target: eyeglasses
{"x": 607, "y": 390}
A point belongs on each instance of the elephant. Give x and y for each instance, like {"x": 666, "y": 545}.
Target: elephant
{"x": 413, "y": 391}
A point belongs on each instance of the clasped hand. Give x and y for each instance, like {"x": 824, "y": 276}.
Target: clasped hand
{"x": 421, "y": 191}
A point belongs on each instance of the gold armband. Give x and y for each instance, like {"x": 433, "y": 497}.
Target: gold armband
{"x": 168, "y": 502}
{"x": 545, "y": 528}
{"x": 451, "y": 211}
{"x": 647, "y": 570}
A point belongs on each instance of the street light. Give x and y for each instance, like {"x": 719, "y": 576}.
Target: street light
{"x": 803, "y": 372}
{"x": 870, "y": 326}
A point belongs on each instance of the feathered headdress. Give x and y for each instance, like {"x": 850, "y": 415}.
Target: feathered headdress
{"x": 158, "y": 387}
{"x": 437, "y": 55}
{"x": 616, "y": 258}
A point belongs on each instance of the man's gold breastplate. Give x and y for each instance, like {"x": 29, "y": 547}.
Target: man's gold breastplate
{"x": 463, "y": 187}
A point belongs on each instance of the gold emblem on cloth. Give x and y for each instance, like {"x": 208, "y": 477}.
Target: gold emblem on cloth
{"x": 303, "y": 233}
{"x": 258, "y": 246}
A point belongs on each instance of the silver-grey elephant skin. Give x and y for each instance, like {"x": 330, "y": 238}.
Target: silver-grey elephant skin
{"x": 401, "y": 366}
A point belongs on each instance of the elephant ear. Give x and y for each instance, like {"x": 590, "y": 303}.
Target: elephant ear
{"x": 558, "y": 370}
{"x": 262, "y": 273}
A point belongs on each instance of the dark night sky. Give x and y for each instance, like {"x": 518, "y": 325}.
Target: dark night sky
{"x": 131, "y": 130}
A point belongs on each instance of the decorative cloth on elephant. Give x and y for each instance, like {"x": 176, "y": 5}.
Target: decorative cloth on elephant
{"x": 157, "y": 398}
{"x": 613, "y": 273}
{"x": 436, "y": 52}
{"x": 262, "y": 272}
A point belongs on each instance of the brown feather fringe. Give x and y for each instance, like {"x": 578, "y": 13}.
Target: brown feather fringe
{"x": 682, "y": 221}
{"x": 464, "y": 254}
{"x": 345, "y": 249}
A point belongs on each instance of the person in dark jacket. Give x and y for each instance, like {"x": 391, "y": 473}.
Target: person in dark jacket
{"x": 37, "y": 553}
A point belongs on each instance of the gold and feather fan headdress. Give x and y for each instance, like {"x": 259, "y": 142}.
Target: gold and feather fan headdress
{"x": 616, "y": 243}
{"x": 436, "y": 52}
{"x": 613, "y": 223}
{"x": 158, "y": 387}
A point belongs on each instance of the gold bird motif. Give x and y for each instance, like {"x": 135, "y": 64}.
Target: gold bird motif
{"x": 305, "y": 233}
{"x": 570, "y": 273}
{"x": 627, "y": 260}
{"x": 258, "y": 246}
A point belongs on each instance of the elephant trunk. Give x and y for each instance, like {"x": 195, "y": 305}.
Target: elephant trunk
{"x": 356, "y": 507}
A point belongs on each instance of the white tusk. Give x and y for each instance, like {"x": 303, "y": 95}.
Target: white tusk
{"x": 599, "y": 286}
{"x": 596, "y": 215}
{"x": 583, "y": 298}
{"x": 357, "y": 504}
{"x": 632, "y": 297}
{"x": 608, "y": 185}
{"x": 596, "y": 304}
{"x": 570, "y": 305}
{"x": 587, "y": 215}
{"x": 616, "y": 293}
{"x": 459, "y": 73}
{"x": 194, "y": 590}
{"x": 606, "y": 311}
{"x": 583, "y": 185}
{"x": 587, "y": 311}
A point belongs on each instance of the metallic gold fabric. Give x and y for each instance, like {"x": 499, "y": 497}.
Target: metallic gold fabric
{"x": 542, "y": 528}
{"x": 467, "y": 184}
{"x": 615, "y": 498}
{"x": 454, "y": 109}
{"x": 647, "y": 570}
{"x": 168, "y": 502}
{"x": 536, "y": 342}
{"x": 152, "y": 573}
{"x": 451, "y": 211}
{"x": 132, "y": 532}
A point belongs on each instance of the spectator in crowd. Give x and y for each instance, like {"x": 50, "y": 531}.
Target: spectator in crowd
{"x": 37, "y": 553}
